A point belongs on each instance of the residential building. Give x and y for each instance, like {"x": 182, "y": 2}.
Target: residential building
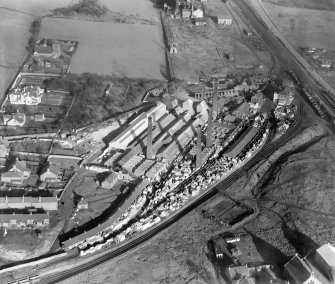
{"x": 16, "y": 221}
{"x": 16, "y": 173}
{"x": 51, "y": 174}
{"x": 46, "y": 203}
{"x": 200, "y": 22}
{"x": 28, "y": 95}
{"x": 224, "y": 20}
{"x": 198, "y": 13}
{"x": 186, "y": 13}
{"x": 83, "y": 204}
{"x": 39, "y": 117}
{"x": 16, "y": 119}
{"x": 47, "y": 50}
{"x": 4, "y": 149}
{"x": 297, "y": 271}
{"x": 109, "y": 181}
{"x": 285, "y": 97}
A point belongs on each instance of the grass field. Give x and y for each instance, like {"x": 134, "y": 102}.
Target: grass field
{"x": 123, "y": 50}
{"x": 304, "y": 27}
{"x": 15, "y": 20}
{"x": 310, "y": 4}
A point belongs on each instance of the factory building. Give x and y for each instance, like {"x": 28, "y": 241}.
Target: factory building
{"x": 137, "y": 126}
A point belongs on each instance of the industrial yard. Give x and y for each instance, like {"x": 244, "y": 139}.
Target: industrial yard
{"x": 166, "y": 140}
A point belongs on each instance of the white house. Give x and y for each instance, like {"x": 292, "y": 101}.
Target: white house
{"x": 224, "y": 20}
{"x": 198, "y": 13}
{"x": 29, "y": 95}
{"x": 16, "y": 119}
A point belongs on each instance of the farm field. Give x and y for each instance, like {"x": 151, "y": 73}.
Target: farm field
{"x": 304, "y": 27}
{"x": 310, "y": 4}
{"x": 16, "y": 17}
{"x": 123, "y": 50}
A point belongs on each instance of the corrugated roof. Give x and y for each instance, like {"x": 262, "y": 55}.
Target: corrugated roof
{"x": 240, "y": 143}
{"x": 23, "y": 217}
{"x": 297, "y": 269}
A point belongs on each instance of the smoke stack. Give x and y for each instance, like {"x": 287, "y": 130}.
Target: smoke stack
{"x": 149, "y": 141}
{"x": 209, "y": 129}
{"x": 199, "y": 158}
{"x": 215, "y": 97}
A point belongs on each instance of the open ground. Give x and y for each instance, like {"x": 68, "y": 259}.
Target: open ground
{"x": 118, "y": 49}
{"x": 203, "y": 51}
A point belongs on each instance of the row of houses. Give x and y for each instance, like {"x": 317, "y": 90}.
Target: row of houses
{"x": 17, "y": 221}
{"x": 18, "y": 172}
{"x": 23, "y": 202}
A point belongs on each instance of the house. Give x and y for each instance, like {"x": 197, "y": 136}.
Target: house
{"x": 326, "y": 63}
{"x": 198, "y": 13}
{"x": 173, "y": 48}
{"x": 224, "y": 20}
{"x": 51, "y": 173}
{"x": 47, "y": 50}
{"x": 4, "y": 149}
{"x": 200, "y": 22}
{"x": 297, "y": 271}
{"x": 17, "y": 173}
{"x": 83, "y": 204}
{"x": 238, "y": 272}
{"x": 109, "y": 180}
{"x": 186, "y": 13}
{"x": 285, "y": 97}
{"x": 39, "y": 117}
{"x": 16, "y": 119}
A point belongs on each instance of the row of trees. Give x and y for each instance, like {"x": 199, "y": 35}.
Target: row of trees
{"x": 92, "y": 8}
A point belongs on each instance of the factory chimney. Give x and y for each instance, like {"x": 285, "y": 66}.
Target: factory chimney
{"x": 198, "y": 162}
{"x": 149, "y": 141}
{"x": 215, "y": 97}
{"x": 209, "y": 129}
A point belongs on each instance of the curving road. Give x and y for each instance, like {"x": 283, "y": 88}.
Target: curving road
{"x": 262, "y": 154}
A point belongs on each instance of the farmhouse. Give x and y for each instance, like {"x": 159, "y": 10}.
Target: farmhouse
{"x": 29, "y": 95}
{"x": 16, "y": 119}
{"x": 83, "y": 204}
{"x": 224, "y": 20}
{"x": 47, "y": 51}
{"x": 14, "y": 221}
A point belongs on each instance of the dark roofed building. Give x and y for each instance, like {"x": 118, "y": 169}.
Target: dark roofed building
{"x": 297, "y": 271}
{"x": 51, "y": 173}
{"x": 43, "y": 50}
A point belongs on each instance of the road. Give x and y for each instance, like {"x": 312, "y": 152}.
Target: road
{"x": 289, "y": 58}
{"x": 262, "y": 154}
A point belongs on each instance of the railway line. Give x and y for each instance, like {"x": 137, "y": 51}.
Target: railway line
{"x": 263, "y": 154}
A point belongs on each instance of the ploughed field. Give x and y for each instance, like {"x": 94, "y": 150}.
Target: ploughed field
{"x": 125, "y": 50}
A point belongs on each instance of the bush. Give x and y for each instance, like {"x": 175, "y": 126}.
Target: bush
{"x": 91, "y": 8}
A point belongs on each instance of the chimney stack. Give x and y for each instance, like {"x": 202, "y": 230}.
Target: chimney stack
{"x": 215, "y": 97}
{"x": 199, "y": 148}
{"x": 209, "y": 129}
{"x": 149, "y": 141}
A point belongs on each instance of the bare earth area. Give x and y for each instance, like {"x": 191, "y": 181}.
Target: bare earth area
{"x": 203, "y": 51}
